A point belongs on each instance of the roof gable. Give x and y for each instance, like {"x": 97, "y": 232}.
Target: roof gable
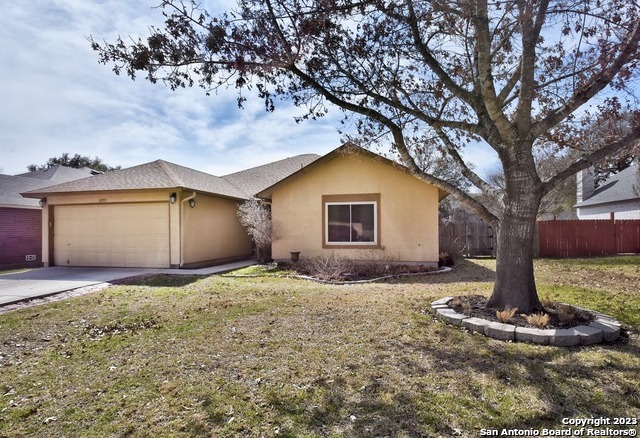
{"x": 623, "y": 186}
{"x": 345, "y": 150}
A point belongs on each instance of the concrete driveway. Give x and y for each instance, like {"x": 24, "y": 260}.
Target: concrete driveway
{"x": 47, "y": 281}
{"x": 42, "y": 282}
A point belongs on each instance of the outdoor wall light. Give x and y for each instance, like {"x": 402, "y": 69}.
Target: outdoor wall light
{"x": 173, "y": 197}
{"x": 43, "y": 202}
{"x": 192, "y": 203}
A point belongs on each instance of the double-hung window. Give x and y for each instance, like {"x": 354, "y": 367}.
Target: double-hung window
{"x": 351, "y": 220}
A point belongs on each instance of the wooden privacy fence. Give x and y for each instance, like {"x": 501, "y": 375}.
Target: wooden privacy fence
{"x": 466, "y": 238}
{"x": 583, "y": 238}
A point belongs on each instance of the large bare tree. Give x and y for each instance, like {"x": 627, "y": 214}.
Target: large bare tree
{"x": 429, "y": 76}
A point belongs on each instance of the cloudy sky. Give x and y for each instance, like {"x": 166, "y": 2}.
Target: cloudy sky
{"x": 56, "y": 98}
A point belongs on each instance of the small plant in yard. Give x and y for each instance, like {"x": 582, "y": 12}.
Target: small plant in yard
{"x": 546, "y": 302}
{"x": 256, "y": 218}
{"x": 333, "y": 267}
{"x": 462, "y": 304}
{"x": 566, "y": 314}
{"x": 445, "y": 259}
{"x": 506, "y": 315}
{"x": 328, "y": 267}
{"x": 540, "y": 320}
{"x": 555, "y": 315}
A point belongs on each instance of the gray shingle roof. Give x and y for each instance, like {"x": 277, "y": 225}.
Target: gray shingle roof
{"x": 256, "y": 179}
{"x": 158, "y": 174}
{"x": 60, "y": 174}
{"x": 623, "y": 186}
{"x": 11, "y": 186}
{"x": 161, "y": 174}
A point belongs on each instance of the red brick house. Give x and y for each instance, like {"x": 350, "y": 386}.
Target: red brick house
{"x": 21, "y": 218}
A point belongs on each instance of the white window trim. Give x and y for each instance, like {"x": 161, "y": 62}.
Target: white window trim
{"x": 375, "y": 223}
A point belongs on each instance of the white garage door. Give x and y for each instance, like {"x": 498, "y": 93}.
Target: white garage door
{"x": 119, "y": 235}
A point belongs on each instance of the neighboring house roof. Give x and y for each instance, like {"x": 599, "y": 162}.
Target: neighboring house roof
{"x": 623, "y": 186}
{"x": 162, "y": 174}
{"x": 345, "y": 149}
{"x": 60, "y": 173}
{"x": 256, "y": 179}
{"x": 11, "y": 186}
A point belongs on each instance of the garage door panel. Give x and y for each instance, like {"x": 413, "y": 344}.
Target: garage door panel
{"x": 122, "y": 235}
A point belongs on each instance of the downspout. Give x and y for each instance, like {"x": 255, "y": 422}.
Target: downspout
{"x": 187, "y": 199}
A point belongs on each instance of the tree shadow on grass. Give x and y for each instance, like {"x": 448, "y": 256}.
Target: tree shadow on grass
{"x": 559, "y": 379}
{"x": 465, "y": 271}
{"x": 159, "y": 280}
{"x": 380, "y": 411}
{"x": 459, "y": 388}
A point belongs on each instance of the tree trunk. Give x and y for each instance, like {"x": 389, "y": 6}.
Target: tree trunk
{"x": 515, "y": 285}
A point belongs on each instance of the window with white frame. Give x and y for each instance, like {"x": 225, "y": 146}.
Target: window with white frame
{"x": 351, "y": 220}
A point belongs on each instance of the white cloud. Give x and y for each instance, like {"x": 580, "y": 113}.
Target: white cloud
{"x": 57, "y": 98}
{"x": 481, "y": 156}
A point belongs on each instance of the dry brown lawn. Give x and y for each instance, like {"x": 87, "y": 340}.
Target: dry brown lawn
{"x": 176, "y": 356}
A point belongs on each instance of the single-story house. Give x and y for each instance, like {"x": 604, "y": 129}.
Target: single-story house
{"x": 159, "y": 214}
{"x": 21, "y": 218}
{"x": 357, "y": 204}
{"x": 618, "y": 196}
{"x": 155, "y": 215}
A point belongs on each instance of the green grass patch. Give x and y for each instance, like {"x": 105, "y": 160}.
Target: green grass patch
{"x": 607, "y": 262}
{"x": 625, "y": 308}
{"x": 262, "y": 270}
{"x": 605, "y": 284}
{"x": 265, "y": 356}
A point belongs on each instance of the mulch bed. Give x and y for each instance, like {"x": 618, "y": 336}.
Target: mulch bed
{"x": 561, "y": 316}
{"x": 363, "y": 272}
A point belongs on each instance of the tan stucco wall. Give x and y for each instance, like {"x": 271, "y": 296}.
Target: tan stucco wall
{"x": 408, "y": 210}
{"x": 212, "y": 230}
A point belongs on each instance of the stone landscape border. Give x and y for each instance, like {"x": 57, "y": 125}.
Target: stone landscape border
{"x": 603, "y": 328}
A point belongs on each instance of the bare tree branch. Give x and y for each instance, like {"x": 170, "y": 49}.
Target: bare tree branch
{"x": 600, "y": 80}
{"x": 626, "y": 143}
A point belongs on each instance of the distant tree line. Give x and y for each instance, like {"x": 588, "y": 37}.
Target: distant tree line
{"x": 76, "y": 161}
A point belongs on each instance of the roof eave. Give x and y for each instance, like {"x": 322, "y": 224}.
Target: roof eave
{"x": 591, "y": 204}
{"x": 43, "y": 194}
{"x": 21, "y": 206}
